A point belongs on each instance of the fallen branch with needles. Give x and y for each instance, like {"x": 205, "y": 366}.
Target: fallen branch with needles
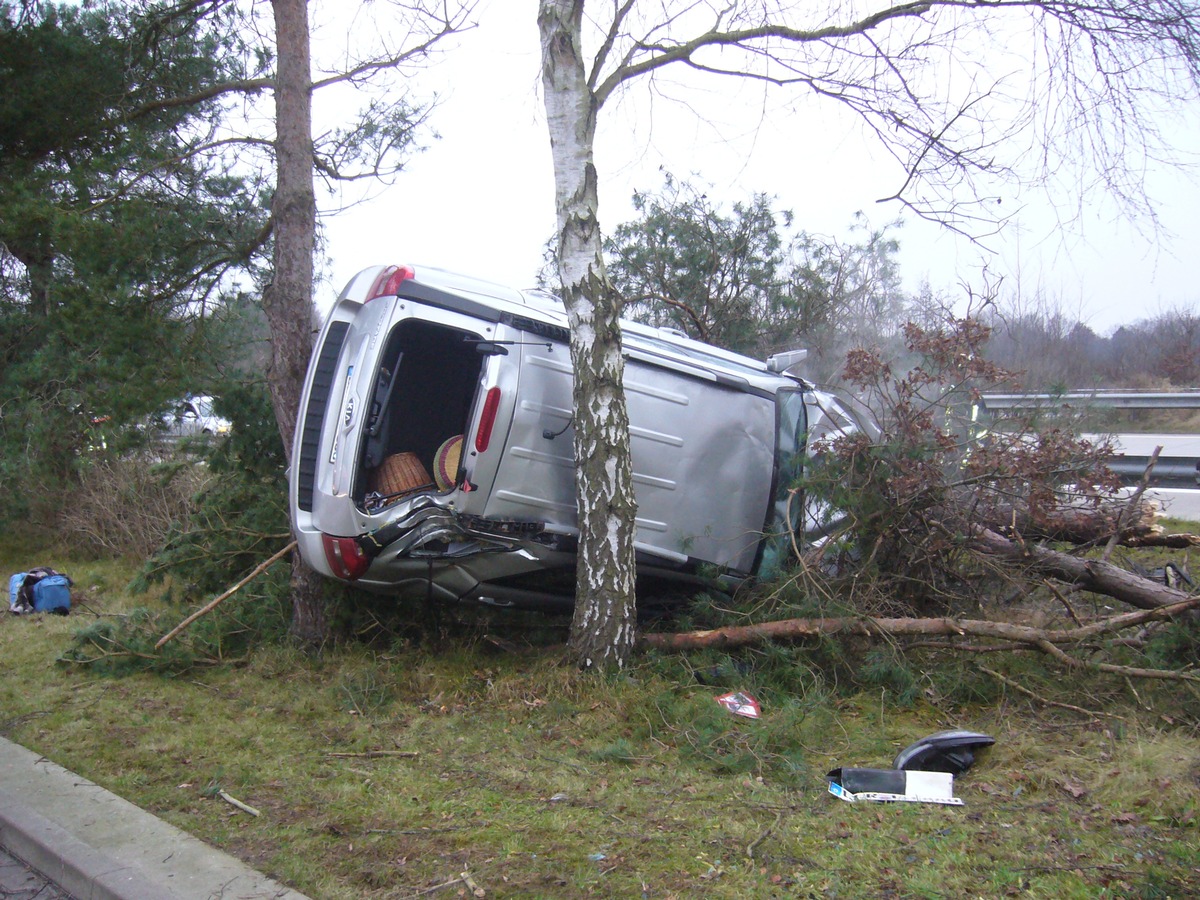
{"x": 1047, "y": 641}
{"x": 213, "y": 604}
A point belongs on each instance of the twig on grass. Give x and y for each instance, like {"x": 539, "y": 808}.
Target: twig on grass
{"x": 414, "y": 830}
{"x": 438, "y": 887}
{"x": 959, "y": 647}
{"x": 234, "y": 801}
{"x": 475, "y": 889}
{"x": 1136, "y": 695}
{"x": 766, "y": 833}
{"x": 1072, "y": 663}
{"x": 1062, "y": 598}
{"x": 373, "y": 754}
{"x": 204, "y": 610}
{"x": 464, "y": 879}
{"x": 1021, "y": 689}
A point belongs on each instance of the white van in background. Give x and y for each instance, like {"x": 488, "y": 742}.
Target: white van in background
{"x": 434, "y": 453}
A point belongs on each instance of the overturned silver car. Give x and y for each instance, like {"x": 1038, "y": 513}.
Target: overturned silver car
{"x": 434, "y": 453}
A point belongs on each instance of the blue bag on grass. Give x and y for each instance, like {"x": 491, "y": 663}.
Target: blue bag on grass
{"x": 52, "y": 593}
{"x": 39, "y": 590}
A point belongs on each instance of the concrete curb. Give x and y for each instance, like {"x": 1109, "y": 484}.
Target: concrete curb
{"x": 96, "y": 846}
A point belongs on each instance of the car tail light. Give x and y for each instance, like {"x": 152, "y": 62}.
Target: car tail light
{"x": 487, "y": 419}
{"x": 389, "y": 281}
{"x": 346, "y": 558}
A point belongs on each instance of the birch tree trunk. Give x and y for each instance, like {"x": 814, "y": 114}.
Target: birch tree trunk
{"x": 287, "y": 301}
{"x": 602, "y": 631}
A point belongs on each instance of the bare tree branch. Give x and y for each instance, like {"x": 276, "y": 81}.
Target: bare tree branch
{"x": 1046, "y": 641}
{"x": 1081, "y": 83}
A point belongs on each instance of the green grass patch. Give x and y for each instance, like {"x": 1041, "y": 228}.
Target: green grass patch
{"x": 385, "y": 771}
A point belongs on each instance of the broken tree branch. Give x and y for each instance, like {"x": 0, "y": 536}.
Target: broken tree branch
{"x": 1134, "y": 500}
{"x": 1046, "y": 641}
{"x": 234, "y": 801}
{"x": 869, "y": 626}
{"x": 1021, "y": 689}
{"x": 374, "y": 754}
{"x": 1122, "y": 522}
{"x": 1169, "y": 541}
{"x": 209, "y": 607}
{"x": 766, "y": 833}
{"x": 1089, "y": 574}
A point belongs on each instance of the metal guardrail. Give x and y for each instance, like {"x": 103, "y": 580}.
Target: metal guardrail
{"x": 1115, "y": 399}
{"x": 1169, "y": 472}
{"x": 1178, "y": 463}
{"x": 1174, "y": 469}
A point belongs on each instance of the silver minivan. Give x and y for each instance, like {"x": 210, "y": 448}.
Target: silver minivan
{"x": 434, "y": 454}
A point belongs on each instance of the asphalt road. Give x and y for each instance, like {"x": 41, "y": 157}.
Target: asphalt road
{"x": 1187, "y": 445}
{"x": 1179, "y": 501}
{"x": 19, "y": 882}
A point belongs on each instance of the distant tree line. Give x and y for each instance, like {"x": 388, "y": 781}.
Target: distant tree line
{"x": 1055, "y": 351}
{"x": 746, "y": 279}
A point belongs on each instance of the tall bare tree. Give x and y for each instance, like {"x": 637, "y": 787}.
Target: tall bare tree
{"x": 602, "y": 631}
{"x": 367, "y": 149}
{"x": 1080, "y": 83}
{"x": 287, "y": 300}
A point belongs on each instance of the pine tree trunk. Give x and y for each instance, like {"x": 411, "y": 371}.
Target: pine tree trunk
{"x": 602, "y": 631}
{"x": 310, "y": 611}
{"x": 288, "y": 300}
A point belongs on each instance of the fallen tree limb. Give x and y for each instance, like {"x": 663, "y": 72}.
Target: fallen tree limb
{"x": 374, "y": 754}
{"x": 869, "y": 626}
{"x": 1169, "y": 541}
{"x": 1123, "y": 522}
{"x": 1128, "y": 671}
{"x": 1134, "y": 498}
{"x": 1088, "y": 574}
{"x": 1046, "y": 641}
{"x": 209, "y": 607}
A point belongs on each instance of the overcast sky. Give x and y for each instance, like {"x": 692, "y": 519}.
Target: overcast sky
{"x": 479, "y": 199}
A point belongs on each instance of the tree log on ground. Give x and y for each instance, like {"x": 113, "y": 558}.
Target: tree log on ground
{"x": 1155, "y": 602}
{"x": 1077, "y": 525}
{"x": 1043, "y": 640}
{"x": 1088, "y": 574}
{"x": 1166, "y": 541}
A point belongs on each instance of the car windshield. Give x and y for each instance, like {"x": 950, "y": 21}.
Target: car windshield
{"x": 787, "y": 512}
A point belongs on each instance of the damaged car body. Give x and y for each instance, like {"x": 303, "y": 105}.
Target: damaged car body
{"x": 434, "y": 450}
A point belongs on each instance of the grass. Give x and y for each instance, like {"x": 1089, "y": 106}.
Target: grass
{"x": 541, "y": 782}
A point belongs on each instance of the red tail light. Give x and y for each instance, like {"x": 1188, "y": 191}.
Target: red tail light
{"x": 389, "y": 281}
{"x": 487, "y": 419}
{"x": 346, "y": 559}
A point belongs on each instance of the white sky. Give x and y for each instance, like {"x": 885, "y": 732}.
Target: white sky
{"x": 479, "y": 200}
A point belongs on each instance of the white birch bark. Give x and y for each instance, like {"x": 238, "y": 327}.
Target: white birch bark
{"x": 602, "y": 632}
{"x": 886, "y": 64}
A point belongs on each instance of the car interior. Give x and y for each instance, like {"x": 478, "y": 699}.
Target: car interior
{"x": 426, "y": 383}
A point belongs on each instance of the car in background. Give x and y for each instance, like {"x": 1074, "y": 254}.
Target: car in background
{"x": 193, "y": 417}
{"x": 434, "y": 457}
